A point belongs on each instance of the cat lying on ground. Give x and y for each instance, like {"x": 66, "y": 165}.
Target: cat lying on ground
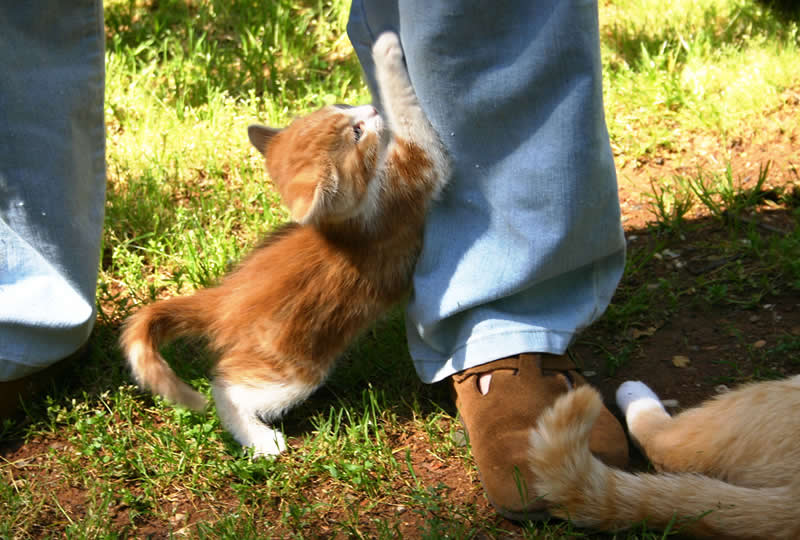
{"x": 729, "y": 468}
{"x": 358, "y": 190}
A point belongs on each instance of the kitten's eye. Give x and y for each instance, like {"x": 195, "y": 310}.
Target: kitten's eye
{"x": 357, "y": 131}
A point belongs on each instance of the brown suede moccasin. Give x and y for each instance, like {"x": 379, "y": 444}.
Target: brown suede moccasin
{"x": 498, "y": 425}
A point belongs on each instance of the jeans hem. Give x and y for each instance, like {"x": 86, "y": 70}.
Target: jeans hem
{"x": 488, "y": 348}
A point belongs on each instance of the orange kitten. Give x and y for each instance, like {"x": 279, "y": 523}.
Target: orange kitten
{"x": 729, "y": 468}
{"x": 358, "y": 190}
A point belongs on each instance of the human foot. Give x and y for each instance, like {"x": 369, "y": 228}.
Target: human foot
{"x": 499, "y": 402}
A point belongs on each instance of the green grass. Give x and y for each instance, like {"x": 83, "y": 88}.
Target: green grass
{"x": 187, "y": 197}
{"x": 685, "y": 67}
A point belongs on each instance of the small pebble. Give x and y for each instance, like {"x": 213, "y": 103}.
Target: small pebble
{"x": 177, "y": 519}
{"x": 459, "y": 438}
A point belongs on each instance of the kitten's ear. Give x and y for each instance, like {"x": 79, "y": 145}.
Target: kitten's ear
{"x": 312, "y": 200}
{"x": 260, "y": 136}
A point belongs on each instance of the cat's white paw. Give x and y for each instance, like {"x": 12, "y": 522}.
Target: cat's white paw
{"x": 634, "y": 397}
{"x": 271, "y": 444}
{"x": 387, "y": 48}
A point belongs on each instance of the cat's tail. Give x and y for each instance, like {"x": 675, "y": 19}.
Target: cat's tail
{"x": 152, "y": 326}
{"x": 581, "y": 488}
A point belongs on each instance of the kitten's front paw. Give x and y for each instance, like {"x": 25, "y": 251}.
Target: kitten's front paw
{"x": 387, "y": 48}
{"x": 270, "y": 445}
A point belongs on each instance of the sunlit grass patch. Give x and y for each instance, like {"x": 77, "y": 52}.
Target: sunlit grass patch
{"x": 682, "y": 67}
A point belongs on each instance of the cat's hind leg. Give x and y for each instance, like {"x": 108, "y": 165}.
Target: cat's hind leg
{"x": 247, "y": 408}
{"x": 683, "y": 443}
{"x": 643, "y": 411}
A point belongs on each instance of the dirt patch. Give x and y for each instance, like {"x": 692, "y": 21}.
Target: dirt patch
{"x": 698, "y": 354}
{"x": 773, "y": 138}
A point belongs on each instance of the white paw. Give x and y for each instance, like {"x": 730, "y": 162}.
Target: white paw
{"x": 387, "y": 48}
{"x": 271, "y": 444}
{"x": 635, "y": 398}
{"x": 632, "y": 391}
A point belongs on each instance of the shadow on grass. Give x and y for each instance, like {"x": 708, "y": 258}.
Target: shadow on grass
{"x": 267, "y": 47}
{"x": 636, "y": 45}
{"x": 714, "y": 300}
{"x": 786, "y": 10}
{"x": 683, "y": 277}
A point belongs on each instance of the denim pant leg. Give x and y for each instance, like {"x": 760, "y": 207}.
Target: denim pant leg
{"x": 52, "y": 179}
{"x": 526, "y": 247}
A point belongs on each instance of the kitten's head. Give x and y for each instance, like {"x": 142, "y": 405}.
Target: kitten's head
{"x": 324, "y": 164}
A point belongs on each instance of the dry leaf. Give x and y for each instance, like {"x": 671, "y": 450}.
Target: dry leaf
{"x": 759, "y": 344}
{"x": 636, "y": 333}
{"x": 680, "y": 361}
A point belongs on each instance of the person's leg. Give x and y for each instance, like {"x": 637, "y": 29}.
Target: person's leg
{"x": 525, "y": 248}
{"x": 52, "y": 180}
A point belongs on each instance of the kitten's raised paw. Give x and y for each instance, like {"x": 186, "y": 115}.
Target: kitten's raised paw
{"x": 387, "y": 48}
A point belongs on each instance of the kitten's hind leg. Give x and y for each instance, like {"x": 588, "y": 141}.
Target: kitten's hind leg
{"x": 245, "y": 408}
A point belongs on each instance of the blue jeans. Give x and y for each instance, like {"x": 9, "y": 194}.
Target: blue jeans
{"x": 525, "y": 248}
{"x": 52, "y": 179}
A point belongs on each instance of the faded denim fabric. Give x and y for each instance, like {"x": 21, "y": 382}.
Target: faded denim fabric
{"x": 52, "y": 179}
{"x": 525, "y": 248}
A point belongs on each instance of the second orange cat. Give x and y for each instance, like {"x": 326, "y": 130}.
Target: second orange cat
{"x": 729, "y": 468}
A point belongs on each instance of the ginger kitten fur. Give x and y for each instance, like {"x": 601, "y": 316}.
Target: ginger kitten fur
{"x": 358, "y": 185}
{"x": 729, "y": 468}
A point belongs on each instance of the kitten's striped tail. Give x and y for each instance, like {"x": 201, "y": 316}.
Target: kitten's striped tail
{"x": 581, "y": 488}
{"x": 153, "y": 325}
